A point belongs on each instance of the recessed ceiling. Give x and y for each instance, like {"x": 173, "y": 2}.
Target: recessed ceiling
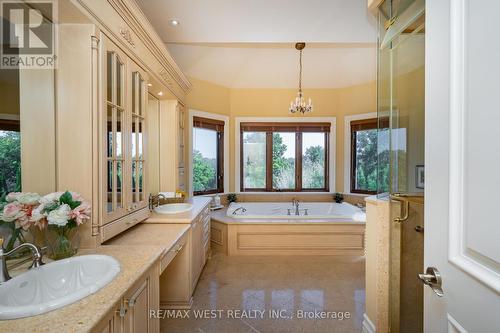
{"x": 250, "y": 43}
{"x": 261, "y": 66}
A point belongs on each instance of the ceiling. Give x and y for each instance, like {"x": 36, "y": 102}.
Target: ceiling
{"x": 250, "y": 43}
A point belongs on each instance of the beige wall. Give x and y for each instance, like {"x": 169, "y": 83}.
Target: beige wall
{"x": 206, "y": 96}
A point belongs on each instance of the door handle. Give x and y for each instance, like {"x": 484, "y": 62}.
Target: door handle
{"x": 404, "y": 203}
{"x": 432, "y": 278}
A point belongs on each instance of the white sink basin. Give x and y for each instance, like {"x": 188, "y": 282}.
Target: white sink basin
{"x": 55, "y": 285}
{"x": 174, "y": 208}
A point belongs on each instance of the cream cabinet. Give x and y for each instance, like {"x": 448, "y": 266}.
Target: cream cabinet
{"x": 124, "y": 139}
{"x": 132, "y": 314}
{"x": 111, "y": 323}
{"x": 200, "y": 235}
{"x": 172, "y": 140}
{"x": 197, "y": 254}
{"x": 100, "y": 125}
{"x": 178, "y": 281}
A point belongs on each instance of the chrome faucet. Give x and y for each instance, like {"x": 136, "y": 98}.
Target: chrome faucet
{"x": 296, "y": 203}
{"x": 154, "y": 200}
{"x": 36, "y": 254}
{"x": 243, "y": 210}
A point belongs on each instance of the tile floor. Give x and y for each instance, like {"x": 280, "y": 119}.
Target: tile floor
{"x": 270, "y": 292}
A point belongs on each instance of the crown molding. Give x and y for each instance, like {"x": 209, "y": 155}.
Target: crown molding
{"x": 138, "y": 23}
{"x": 141, "y": 26}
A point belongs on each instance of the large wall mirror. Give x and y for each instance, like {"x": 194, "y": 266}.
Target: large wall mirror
{"x": 27, "y": 129}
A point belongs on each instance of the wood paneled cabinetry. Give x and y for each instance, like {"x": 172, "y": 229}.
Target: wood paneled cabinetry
{"x": 124, "y": 139}
{"x": 172, "y": 140}
{"x": 176, "y": 291}
{"x": 132, "y": 314}
{"x": 200, "y": 234}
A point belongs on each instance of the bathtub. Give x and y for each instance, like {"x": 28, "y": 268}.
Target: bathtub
{"x": 286, "y": 211}
{"x": 265, "y": 228}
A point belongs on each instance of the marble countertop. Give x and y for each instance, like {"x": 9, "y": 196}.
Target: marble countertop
{"x": 164, "y": 235}
{"x": 199, "y": 203}
{"x": 81, "y": 316}
{"x": 136, "y": 250}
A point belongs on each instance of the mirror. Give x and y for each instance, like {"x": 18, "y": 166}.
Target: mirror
{"x": 27, "y": 125}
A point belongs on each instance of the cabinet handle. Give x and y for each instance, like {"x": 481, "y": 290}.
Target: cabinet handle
{"x": 178, "y": 249}
{"x": 122, "y": 312}
{"x": 132, "y": 221}
{"x": 132, "y": 300}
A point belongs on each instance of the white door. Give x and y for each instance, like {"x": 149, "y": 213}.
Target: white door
{"x": 462, "y": 226}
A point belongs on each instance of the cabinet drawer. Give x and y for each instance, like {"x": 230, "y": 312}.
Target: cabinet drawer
{"x": 170, "y": 255}
{"x": 206, "y": 224}
{"x": 114, "y": 228}
{"x": 206, "y": 212}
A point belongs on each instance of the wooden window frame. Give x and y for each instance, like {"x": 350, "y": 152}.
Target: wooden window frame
{"x": 355, "y": 126}
{"x": 12, "y": 125}
{"x": 298, "y": 129}
{"x": 218, "y": 126}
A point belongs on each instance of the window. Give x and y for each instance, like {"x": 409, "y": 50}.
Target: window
{"x": 284, "y": 157}
{"x": 208, "y": 156}
{"x": 364, "y": 156}
{"x": 10, "y": 157}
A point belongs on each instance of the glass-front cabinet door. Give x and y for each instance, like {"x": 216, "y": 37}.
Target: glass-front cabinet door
{"x": 138, "y": 99}
{"x": 114, "y": 126}
{"x": 124, "y": 132}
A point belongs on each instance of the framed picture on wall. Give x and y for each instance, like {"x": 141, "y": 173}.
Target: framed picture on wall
{"x": 419, "y": 176}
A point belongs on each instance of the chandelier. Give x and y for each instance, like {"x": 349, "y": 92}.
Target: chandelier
{"x": 298, "y": 105}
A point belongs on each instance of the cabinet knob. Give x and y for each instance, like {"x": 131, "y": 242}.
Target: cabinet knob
{"x": 122, "y": 311}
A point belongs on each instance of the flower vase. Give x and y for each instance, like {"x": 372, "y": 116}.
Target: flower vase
{"x": 14, "y": 237}
{"x": 63, "y": 242}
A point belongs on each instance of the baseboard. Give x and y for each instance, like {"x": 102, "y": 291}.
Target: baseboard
{"x": 177, "y": 305}
{"x": 368, "y": 326}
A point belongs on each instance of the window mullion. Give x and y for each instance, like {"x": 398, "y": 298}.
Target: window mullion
{"x": 298, "y": 161}
{"x": 269, "y": 161}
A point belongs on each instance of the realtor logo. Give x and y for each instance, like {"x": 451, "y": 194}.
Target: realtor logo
{"x": 28, "y": 34}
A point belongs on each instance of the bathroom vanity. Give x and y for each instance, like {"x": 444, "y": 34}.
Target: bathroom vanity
{"x": 176, "y": 292}
{"x": 120, "y": 306}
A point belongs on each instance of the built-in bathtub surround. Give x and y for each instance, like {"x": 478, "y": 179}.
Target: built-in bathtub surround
{"x": 263, "y": 228}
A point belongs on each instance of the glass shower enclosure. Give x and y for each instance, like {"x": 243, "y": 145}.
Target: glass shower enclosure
{"x": 401, "y": 165}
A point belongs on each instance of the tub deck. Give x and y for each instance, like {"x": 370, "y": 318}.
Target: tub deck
{"x": 286, "y": 236}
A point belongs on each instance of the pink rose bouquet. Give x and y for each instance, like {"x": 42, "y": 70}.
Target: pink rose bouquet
{"x": 62, "y": 213}
{"x": 17, "y": 215}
